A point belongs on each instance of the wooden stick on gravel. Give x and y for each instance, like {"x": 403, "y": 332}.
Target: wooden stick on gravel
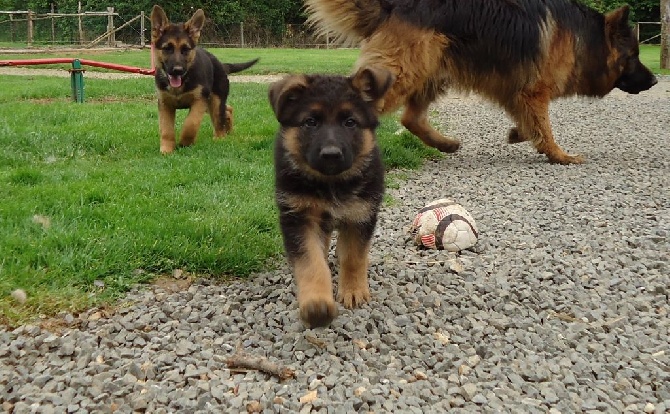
{"x": 245, "y": 361}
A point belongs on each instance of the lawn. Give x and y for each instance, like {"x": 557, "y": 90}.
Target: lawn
{"x": 91, "y": 208}
{"x": 272, "y": 60}
{"x": 650, "y": 55}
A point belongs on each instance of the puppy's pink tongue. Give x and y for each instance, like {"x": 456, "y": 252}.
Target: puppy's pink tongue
{"x": 175, "y": 81}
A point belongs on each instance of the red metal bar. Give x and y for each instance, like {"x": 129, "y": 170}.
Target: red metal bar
{"x": 49, "y": 61}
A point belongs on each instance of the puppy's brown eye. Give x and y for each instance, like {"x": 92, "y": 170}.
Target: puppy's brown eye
{"x": 310, "y": 122}
{"x": 185, "y": 50}
{"x": 168, "y": 48}
{"x": 349, "y": 123}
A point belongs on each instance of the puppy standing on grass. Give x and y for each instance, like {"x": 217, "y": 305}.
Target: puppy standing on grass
{"x": 329, "y": 176}
{"x": 189, "y": 77}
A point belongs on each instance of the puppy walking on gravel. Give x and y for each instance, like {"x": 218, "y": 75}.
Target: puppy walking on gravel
{"x": 328, "y": 176}
{"x": 189, "y": 77}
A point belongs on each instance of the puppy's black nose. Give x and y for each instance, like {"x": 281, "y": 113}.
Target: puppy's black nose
{"x": 331, "y": 153}
{"x": 177, "y": 71}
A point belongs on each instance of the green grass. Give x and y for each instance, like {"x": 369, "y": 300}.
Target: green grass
{"x": 87, "y": 198}
{"x": 650, "y": 55}
{"x": 272, "y": 61}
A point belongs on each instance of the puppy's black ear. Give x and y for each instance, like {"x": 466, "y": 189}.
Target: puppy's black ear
{"x": 194, "y": 25}
{"x": 285, "y": 92}
{"x": 158, "y": 22}
{"x": 372, "y": 82}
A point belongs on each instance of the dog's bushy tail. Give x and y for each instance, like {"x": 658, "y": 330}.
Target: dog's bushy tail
{"x": 350, "y": 20}
{"x": 238, "y": 67}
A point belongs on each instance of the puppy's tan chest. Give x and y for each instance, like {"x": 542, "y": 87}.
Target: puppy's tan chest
{"x": 179, "y": 99}
{"x": 356, "y": 209}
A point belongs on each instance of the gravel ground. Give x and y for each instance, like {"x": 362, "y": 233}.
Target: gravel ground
{"x": 562, "y": 307}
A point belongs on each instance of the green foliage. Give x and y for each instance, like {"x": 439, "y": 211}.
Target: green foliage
{"x": 641, "y": 10}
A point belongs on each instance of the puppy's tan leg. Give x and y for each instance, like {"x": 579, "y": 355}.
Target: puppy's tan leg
{"x": 415, "y": 119}
{"x": 166, "y": 120}
{"x": 531, "y": 112}
{"x": 314, "y": 282}
{"x": 219, "y": 116}
{"x": 228, "y": 125}
{"x": 192, "y": 122}
{"x": 352, "y": 251}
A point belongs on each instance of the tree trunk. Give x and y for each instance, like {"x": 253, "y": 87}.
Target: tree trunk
{"x": 665, "y": 34}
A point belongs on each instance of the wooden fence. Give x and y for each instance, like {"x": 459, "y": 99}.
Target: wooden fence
{"x": 30, "y": 28}
{"x": 30, "y": 18}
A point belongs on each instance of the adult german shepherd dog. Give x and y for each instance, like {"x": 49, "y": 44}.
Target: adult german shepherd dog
{"x": 519, "y": 53}
{"x": 329, "y": 176}
{"x": 188, "y": 77}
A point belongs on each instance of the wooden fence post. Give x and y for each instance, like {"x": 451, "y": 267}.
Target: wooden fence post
{"x": 637, "y": 31}
{"x": 665, "y": 34}
{"x": 81, "y": 30}
{"x": 142, "y": 29}
{"x": 53, "y": 25}
{"x": 241, "y": 34}
{"x": 11, "y": 27}
{"x": 30, "y": 27}
{"x": 111, "y": 40}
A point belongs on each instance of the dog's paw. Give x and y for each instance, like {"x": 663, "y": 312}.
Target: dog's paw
{"x": 167, "y": 145}
{"x": 565, "y": 159}
{"x": 448, "y": 146}
{"x": 352, "y": 298}
{"x": 318, "y": 313}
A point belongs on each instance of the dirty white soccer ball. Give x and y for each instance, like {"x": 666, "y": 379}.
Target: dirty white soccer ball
{"x": 444, "y": 225}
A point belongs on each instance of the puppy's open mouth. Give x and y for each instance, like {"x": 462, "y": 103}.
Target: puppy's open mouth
{"x": 175, "y": 80}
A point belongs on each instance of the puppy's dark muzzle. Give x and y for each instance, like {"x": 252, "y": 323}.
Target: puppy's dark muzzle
{"x": 331, "y": 153}
{"x": 177, "y": 71}
{"x": 331, "y": 160}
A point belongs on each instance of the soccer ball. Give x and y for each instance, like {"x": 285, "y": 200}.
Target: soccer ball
{"x": 444, "y": 224}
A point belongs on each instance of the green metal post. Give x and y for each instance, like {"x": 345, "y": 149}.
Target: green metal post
{"x": 77, "y": 81}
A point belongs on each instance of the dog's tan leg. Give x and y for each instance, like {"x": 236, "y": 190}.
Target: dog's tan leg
{"x": 314, "y": 282}
{"x": 192, "y": 122}
{"x": 166, "y": 120}
{"x": 228, "y": 125}
{"x": 531, "y": 112}
{"x": 352, "y": 252}
{"x": 415, "y": 119}
{"x": 220, "y": 118}
{"x": 514, "y": 137}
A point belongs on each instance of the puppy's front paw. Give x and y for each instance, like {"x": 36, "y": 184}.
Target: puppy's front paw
{"x": 318, "y": 313}
{"x": 352, "y": 298}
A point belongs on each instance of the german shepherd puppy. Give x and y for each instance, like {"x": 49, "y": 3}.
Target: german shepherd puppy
{"x": 188, "y": 77}
{"x": 519, "y": 53}
{"x": 328, "y": 176}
